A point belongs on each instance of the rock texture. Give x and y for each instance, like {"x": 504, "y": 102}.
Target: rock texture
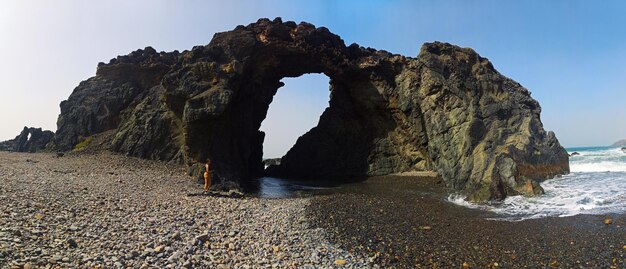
{"x": 29, "y": 140}
{"x": 448, "y": 110}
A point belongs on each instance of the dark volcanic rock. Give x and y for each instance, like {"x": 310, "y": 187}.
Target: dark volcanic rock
{"x": 448, "y": 110}
{"x": 29, "y": 140}
{"x": 124, "y": 96}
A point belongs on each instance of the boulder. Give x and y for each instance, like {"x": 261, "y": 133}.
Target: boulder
{"x": 447, "y": 110}
{"x": 29, "y": 140}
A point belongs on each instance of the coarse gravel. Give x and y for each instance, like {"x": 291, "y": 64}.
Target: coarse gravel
{"x": 106, "y": 210}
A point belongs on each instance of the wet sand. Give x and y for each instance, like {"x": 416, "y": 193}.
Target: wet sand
{"x": 405, "y": 222}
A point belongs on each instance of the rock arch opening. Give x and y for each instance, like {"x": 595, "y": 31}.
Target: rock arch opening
{"x": 447, "y": 110}
{"x": 295, "y": 109}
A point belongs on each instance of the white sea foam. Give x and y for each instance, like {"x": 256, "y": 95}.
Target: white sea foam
{"x": 604, "y": 166}
{"x": 597, "y": 185}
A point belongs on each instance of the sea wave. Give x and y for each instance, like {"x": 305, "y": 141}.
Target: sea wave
{"x": 577, "y": 193}
{"x": 602, "y": 166}
{"x": 599, "y": 160}
{"x": 596, "y": 185}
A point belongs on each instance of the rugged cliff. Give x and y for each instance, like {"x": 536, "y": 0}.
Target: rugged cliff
{"x": 29, "y": 140}
{"x": 447, "y": 110}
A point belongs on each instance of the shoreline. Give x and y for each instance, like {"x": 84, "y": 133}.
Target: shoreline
{"x": 410, "y": 225}
{"x": 111, "y": 211}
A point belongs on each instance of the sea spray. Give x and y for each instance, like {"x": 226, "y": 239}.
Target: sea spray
{"x": 597, "y": 185}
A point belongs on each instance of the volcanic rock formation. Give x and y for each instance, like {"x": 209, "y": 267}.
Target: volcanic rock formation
{"x": 448, "y": 110}
{"x": 29, "y": 140}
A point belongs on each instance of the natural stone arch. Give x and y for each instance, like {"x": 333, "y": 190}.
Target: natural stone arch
{"x": 447, "y": 110}
{"x": 223, "y": 121}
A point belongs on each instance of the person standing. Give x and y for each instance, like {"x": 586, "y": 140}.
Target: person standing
{"x": 207, "y": 175}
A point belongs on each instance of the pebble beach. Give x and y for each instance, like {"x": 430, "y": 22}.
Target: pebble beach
{"x": 103, "y": 210}
{"x": 110, "y": 211}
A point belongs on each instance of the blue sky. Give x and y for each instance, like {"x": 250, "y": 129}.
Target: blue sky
{"x": 569, "y": 54}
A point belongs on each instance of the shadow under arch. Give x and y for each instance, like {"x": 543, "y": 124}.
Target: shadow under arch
{"x": 351, "y": 139}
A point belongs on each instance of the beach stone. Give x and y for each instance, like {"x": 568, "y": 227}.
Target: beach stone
{"x": 608, "y": 221}
{"x": 175, "y": 256}
{"x": 340, "y": 262}
{"x": 202, "y": 238}
{"x": 159, "y": 249}
{"x": 72, "y": 243}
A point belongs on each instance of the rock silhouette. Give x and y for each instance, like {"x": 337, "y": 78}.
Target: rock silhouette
{"x": 448, "y": 110}
{"x": 29, "y": 140}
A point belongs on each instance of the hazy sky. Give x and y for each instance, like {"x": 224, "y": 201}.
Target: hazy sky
{"x": 569, "y": 54}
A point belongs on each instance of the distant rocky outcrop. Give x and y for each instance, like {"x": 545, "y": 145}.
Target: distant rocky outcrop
{"x": 448, "y": 110}
{"x": 621, "y": 143}
{"x": 274, "y": 161}
{"x": 29, "y": 140}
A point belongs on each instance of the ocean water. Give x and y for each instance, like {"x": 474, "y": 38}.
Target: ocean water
{"x": 270, "y": 187}
{"x": 596, "y": 185}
